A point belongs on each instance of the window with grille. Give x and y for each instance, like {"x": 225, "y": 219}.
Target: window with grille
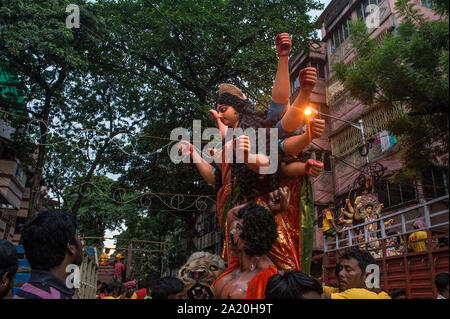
{"x": 434, "y": 183}
{"x": 392, "y": 195}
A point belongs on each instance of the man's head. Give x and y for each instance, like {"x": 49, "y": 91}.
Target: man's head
{"x": 351, "y": 268}
{"x": 110, "y": 289}
{"x": 293, "y": 284}
{"x": 255, "y": 230}
{"x": 441, "y": 282}
{"x": 331, "y": 206}
{"x": 398, "y": 294}
{"x": 8, "y": 268}
{"x": 167, "y": 288}
{"x": 418, "y": 224}
{"x": 128, "y": 288}
{"x": 50, "y": 239}
{"x": 102, "y": 288}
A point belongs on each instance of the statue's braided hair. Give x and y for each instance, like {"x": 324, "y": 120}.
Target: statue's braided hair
{"x": 241, "y": 175}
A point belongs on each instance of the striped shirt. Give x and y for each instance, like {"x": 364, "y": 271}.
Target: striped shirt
{"x": 44, "y": 285}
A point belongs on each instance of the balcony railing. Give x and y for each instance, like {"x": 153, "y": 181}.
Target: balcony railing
{"x": 375, "y": 121}
{"x": 352, "y": 237}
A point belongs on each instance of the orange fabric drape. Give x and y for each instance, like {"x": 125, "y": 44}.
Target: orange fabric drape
{"x": 286, "y": 252}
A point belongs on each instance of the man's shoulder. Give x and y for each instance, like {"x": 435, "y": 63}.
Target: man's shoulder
{"x": 330, "y": 290}
{"x": 37, "y": 290}
{"x": 355, "y": 293}
{"x": 28, "y": 291}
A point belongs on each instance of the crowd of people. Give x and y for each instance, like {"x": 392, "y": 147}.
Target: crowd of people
{"x": 162, "y": 288}
{"x": 250, "y": 274}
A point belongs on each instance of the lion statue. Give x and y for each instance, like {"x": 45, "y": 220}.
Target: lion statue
{"x": 199, "y": 274}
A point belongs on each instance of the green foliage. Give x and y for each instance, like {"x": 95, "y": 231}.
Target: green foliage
{"x": 410, "y": 68}
{"x": 105, "y": 206}
{"x": 442, "y": 7}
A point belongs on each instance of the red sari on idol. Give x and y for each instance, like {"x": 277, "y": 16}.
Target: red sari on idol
{"x": 286, "y": 252}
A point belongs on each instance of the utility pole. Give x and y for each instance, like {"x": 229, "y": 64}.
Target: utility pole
{"x": 128, "y": 271}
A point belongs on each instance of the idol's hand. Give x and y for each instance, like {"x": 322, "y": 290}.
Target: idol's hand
{"x": 242, "y": 147}
{"x": 279, "y": 199}
{"x": 186, "y": 148}
{"x": 317, "y": 127}
{"x": 283, "y": 44}
{"x": 222, "y": 127}
{"x": 313, "y": 168}
{"x": 308, "y": 79}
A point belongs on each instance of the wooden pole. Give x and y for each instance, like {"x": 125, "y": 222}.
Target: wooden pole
{"x": 128, "y": 270}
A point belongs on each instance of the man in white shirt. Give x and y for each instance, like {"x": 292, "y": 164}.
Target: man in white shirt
{"x": 441, "y": 282}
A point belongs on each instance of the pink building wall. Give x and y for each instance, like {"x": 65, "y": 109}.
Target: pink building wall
{"x": 340, "y": 179}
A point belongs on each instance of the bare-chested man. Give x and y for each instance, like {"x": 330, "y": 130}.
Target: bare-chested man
{"x": 252, "y": 232}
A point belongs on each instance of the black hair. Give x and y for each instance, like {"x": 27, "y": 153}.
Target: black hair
{"x": 142, "y": 284}
{"x": 163, "y": 287}
{"x": 9, "y": 261}
{"x": 109, "y": 288}
{"x": 363, "y": 257}
{"x": 45, "y": 238}
{"x": 242, "y": 176}
{"x": 368, "y": 205}
{"x": 103, "y": 287}
{"x": 259, "y": 229}
{"x": 441, "y": 281}
{"x": 293, "y": 284}
{"x": 395, "y": 293}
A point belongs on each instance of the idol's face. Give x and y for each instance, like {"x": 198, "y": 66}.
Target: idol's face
{"x": 228, "y": 115}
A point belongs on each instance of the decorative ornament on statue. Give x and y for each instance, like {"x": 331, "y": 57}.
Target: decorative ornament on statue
{"x": 199, "y": 274}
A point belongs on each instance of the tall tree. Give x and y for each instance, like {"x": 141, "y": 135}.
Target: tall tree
{"x": 187, "y": 48}
{"x": 34, "y": 38}
{"x": 410, "y": 68}
{"x": 105, "y": 206}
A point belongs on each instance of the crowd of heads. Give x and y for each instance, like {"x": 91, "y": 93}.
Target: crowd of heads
{"x": 51, "y": 242}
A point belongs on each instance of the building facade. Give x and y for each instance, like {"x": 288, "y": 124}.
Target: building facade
{"x": 340, "y": 148}
{"x": 14, "y": 176}
{"x": 207, "y": 231}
